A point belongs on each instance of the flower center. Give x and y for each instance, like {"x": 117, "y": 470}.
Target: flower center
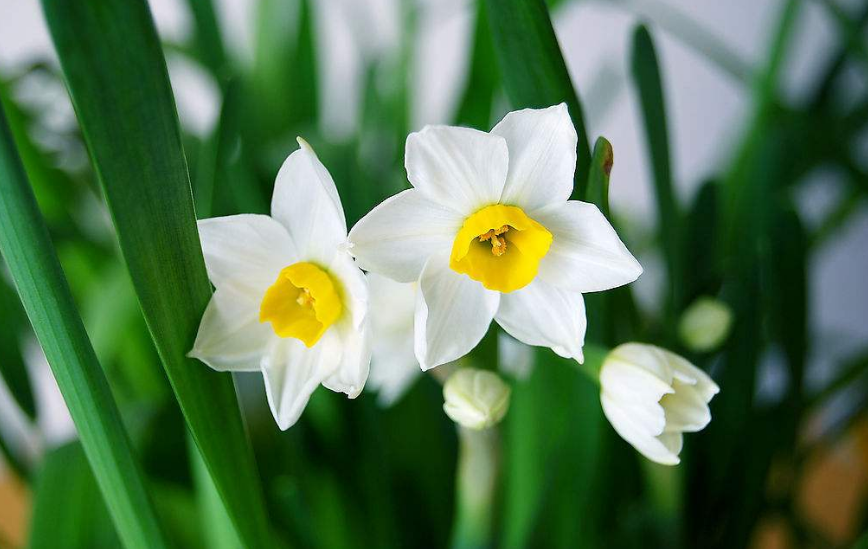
{"x": 501, "y": 247}
{"x": 302, "y": 303}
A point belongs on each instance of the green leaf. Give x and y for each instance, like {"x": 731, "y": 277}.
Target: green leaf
{"x": 33, "y": 263}
{"x": 548, "y": 472}
{"x": 598, "y": 179}
{"x": 13, "y": 370}
{"x": 216, "y": 525}
{"x": 475, "y": 107}
{"x": 207, "y": 40}
{"x": 68, "y": 511}
{"x": 646, "y": 73}
{"x": 116, "y": 74}
{"x": 533, "y": 70}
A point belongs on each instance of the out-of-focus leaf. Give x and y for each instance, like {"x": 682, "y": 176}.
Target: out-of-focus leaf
{"x": 216, "y": 526}
{"x": 533, "y": 70}
{"x": 283, "y": 92}
{"x": 646, "y": 74}
{"x": 117, "y": 77}
{"x": 68, "y": 511}
{"x": 700, "y": 235}
{"x": 477, "y": 101}
{"x": 13, "y": 370}
{"x": 33, "y": 263}
{"x": 550, "y": 456}
{"x": 208, "y": 42}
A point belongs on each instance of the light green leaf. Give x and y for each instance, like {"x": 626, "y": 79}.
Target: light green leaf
{"x": 33, "y": 263}
{"x": 116, "y": 74}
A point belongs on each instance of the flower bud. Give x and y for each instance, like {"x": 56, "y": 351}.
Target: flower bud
{"x": 705, "y": 324}
{"x": 652, "y": 396}
{"x": 476, "y": 399}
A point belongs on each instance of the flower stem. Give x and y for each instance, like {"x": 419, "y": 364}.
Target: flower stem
{"x": 478, "y": 470}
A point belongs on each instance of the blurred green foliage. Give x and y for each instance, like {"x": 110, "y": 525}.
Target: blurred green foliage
{"x": 352, "y": 474}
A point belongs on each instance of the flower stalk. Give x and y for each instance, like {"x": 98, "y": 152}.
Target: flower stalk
{"x": 476, "y": 485}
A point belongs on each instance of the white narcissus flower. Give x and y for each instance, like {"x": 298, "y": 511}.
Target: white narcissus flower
{"x": 652, "y": 396}
{"x": 289, "y": 302}
{"x": 489, "y": 232}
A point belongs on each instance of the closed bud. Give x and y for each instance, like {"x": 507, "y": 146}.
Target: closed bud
{"x": 652, "y": 396}
{"x": 705, "y": 324}
{"x": 476, "y": 399}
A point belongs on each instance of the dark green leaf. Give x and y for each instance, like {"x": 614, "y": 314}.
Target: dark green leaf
{"x": 646, "y": 73}
{"x": 116, "y": 74}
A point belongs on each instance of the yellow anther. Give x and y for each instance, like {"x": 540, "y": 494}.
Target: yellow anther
{"x": 305, "y": 299}
{"x": 498, "y": 245}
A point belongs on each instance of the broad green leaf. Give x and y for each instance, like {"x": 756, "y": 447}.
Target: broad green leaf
{"x": 68, "y": 511}
{"x": 116, "y": 74}
{"x": 33, "y": 263}
{"x": 532, "y": 68}
{"x": 646, "y": 73}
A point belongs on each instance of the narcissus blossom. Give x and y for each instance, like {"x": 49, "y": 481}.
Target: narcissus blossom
{"x": 488, "y": 232}
{"x": 705, "y": 325}
{"x": 289, "y": 302}
{"x": 652, "y": 396}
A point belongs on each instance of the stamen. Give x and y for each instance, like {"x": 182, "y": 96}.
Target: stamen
{"x": 498, "y": 245}
{"x": 305, "y": 299}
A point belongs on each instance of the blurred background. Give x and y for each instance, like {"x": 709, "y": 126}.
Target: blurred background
{"x": 785, "y": 461}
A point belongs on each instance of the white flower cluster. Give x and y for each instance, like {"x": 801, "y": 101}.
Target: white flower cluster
{"x": 486, "y": 233}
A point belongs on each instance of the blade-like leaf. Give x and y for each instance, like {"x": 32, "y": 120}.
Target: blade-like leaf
{"x": 45, "y": 294}
{"x": 13, "y": 370}
{"x": 533, "y": 69}
{"x": 474, "y": 109}
{"x": 116, "y": 74}
{"x": 68, "y": 511}
{"x": 598, "y": 180}
{"x": 646, "y": 73}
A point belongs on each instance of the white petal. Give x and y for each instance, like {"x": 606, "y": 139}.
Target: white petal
{"x": 248, "y": 250}
{"x": 686, "y": 371}
{"x": 230, "y": 336}
{"x": 397, "y": 237}
{"x": 352, "y": 373}
{"x": 393, "y": 363}
{"x": 306, "y": 202}
{"x": 542, "y": 156}
{"x": 461, "y": 168}
{"x": 685, "y": 409}
{"x": 354, "y": 287}
{"x": 453, "y": 313}
{"x": 543, "y": 315}
{"x": 586, "y": 254}
{"x": 292, "y": 372}
{"x": 625, "y": 425}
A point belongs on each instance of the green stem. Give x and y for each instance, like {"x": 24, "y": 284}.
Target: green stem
{"x": 478, "y": 471}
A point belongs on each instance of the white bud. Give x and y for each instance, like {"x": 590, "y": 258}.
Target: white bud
{"x": 705, "y": 324}
{"x": 652, "y": 396}
{"x": 476, "y": 399}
